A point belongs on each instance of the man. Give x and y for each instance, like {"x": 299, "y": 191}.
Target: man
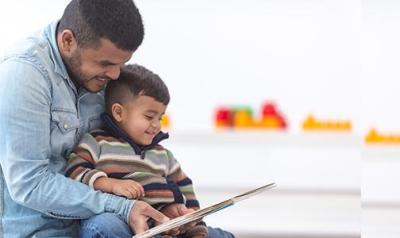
{"x": 51, "y": 90}
{"x": 51, "y": 93}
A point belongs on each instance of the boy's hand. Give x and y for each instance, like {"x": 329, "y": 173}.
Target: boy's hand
{"x": 127, "y": 188}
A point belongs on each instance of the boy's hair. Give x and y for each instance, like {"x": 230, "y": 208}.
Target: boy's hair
{"x": 135, "y": 80}
{"x": 116, "y": 20}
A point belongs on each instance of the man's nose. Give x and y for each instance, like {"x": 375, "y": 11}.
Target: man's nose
{"x": 113, "y": 72}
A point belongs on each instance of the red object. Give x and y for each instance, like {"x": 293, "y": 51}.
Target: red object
{"x": 269, "y": 109}
{"x": 282, "y": 122}
{"x": 223, "y": 117}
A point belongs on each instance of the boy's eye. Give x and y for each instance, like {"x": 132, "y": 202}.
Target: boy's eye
{"x": 148, "y": 117}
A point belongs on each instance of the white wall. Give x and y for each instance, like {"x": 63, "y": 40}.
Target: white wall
{"x": 380, "y": 64}
{"x": 305, "y": 54}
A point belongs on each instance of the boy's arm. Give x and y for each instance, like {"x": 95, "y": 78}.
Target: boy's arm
{"x": 185, "y": 185}
{"x": 183, "y": 182}
{"x": 82, "y": 163}
{"x": 82, "y": 167}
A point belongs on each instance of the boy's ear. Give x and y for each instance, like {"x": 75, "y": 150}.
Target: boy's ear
{"x": 117, "y": 112}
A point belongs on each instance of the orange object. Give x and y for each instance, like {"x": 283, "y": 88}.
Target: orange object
{"x": 242, "y": 117}
{"x": 270, "y": 122}
{"x": 373, "y": 137}
{"x": 165, "y": 122}
{"x": 312, "y": 124}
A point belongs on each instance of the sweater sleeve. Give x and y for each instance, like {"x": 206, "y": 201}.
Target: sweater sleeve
{"x": 82, "y": 161}
{"x": 184, "y": 183}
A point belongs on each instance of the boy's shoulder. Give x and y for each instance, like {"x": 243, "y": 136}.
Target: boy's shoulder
{"x": 102, "y": 135}
{"x": 161, "y": 150}
{"x": 159, "y": 147}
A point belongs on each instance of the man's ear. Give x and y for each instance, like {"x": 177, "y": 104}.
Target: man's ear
{"x": 67, "y": 42}
{"x": 117, "y": 111}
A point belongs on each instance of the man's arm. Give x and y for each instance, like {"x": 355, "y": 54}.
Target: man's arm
{"x": 25, "y": 150}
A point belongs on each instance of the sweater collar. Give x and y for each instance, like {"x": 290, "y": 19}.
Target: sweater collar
{"x": 112, "y": 128}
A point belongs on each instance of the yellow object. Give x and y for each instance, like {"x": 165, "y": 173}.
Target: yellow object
{"x": 373, "y": 137}
{"x": 165, "y": 122}
{"x": 312, "y": 124}
{"x": 242, "y": 119}
{"x": 270, "y": 122}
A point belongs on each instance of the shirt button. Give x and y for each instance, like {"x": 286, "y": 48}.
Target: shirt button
{"x": 65, "y": 126}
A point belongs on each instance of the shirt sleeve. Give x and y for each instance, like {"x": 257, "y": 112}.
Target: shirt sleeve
{"x": 184, "y": 183}
{"x": 25, "y": 150}
{"x": 82, "y": 161}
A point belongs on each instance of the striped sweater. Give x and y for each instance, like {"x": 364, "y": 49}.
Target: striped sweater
{"x": 101, "y": 154}
{"x": 111, "y": 153}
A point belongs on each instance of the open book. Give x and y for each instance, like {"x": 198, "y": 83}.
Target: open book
{"x": 196, "y": 215}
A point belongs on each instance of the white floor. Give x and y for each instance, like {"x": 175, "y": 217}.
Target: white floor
{"x": 286, "y": 214}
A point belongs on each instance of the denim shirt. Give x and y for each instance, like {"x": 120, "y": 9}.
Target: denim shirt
{"x": 42, "y": 116}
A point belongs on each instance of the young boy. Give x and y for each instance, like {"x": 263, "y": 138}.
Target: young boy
{"x": 125, "y": 158}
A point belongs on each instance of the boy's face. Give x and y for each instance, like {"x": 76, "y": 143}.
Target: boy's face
{"x": 141, "y": 119}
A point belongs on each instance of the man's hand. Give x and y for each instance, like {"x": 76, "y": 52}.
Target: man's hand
{"x": 139, "y": 215}
{"x": 127, "y": 188}
{"x": 175, "y": 210}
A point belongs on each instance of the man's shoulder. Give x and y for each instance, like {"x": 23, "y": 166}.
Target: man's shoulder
{"x": 34, "y": 51}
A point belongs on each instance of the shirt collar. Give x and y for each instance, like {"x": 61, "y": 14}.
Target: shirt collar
{"x": 59, "y": 67}
{"x": 112, "y": 128}
{"x": 51, "y": 35}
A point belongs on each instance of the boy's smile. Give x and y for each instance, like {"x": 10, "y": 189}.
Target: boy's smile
{"x": 141, "y": 119}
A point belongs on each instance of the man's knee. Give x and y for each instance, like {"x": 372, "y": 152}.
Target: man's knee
{"x": 219, "y": 233}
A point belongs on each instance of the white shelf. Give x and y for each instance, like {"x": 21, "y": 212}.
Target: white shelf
{"x": 380, "y": 222}
{"x": 381, "y": 153}
{"x": 312, "y": 162}
{"x": 380, "y": 173}
{"x": 268, "y": 138}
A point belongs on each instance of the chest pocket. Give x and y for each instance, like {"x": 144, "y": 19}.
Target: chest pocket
{"x": 65, "y": 121}
{"x": 64, "y": 128}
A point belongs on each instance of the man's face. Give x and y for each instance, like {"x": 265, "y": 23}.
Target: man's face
{"x": 141, "y": 119}
{"x": 92, "y": 68}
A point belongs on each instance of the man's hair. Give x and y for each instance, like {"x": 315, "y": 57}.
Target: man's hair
{"x": 116, "y": 20}
{"x": 135, "y": 80}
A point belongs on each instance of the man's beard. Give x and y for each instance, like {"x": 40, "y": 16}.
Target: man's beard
{"x": 73, "y": 65}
